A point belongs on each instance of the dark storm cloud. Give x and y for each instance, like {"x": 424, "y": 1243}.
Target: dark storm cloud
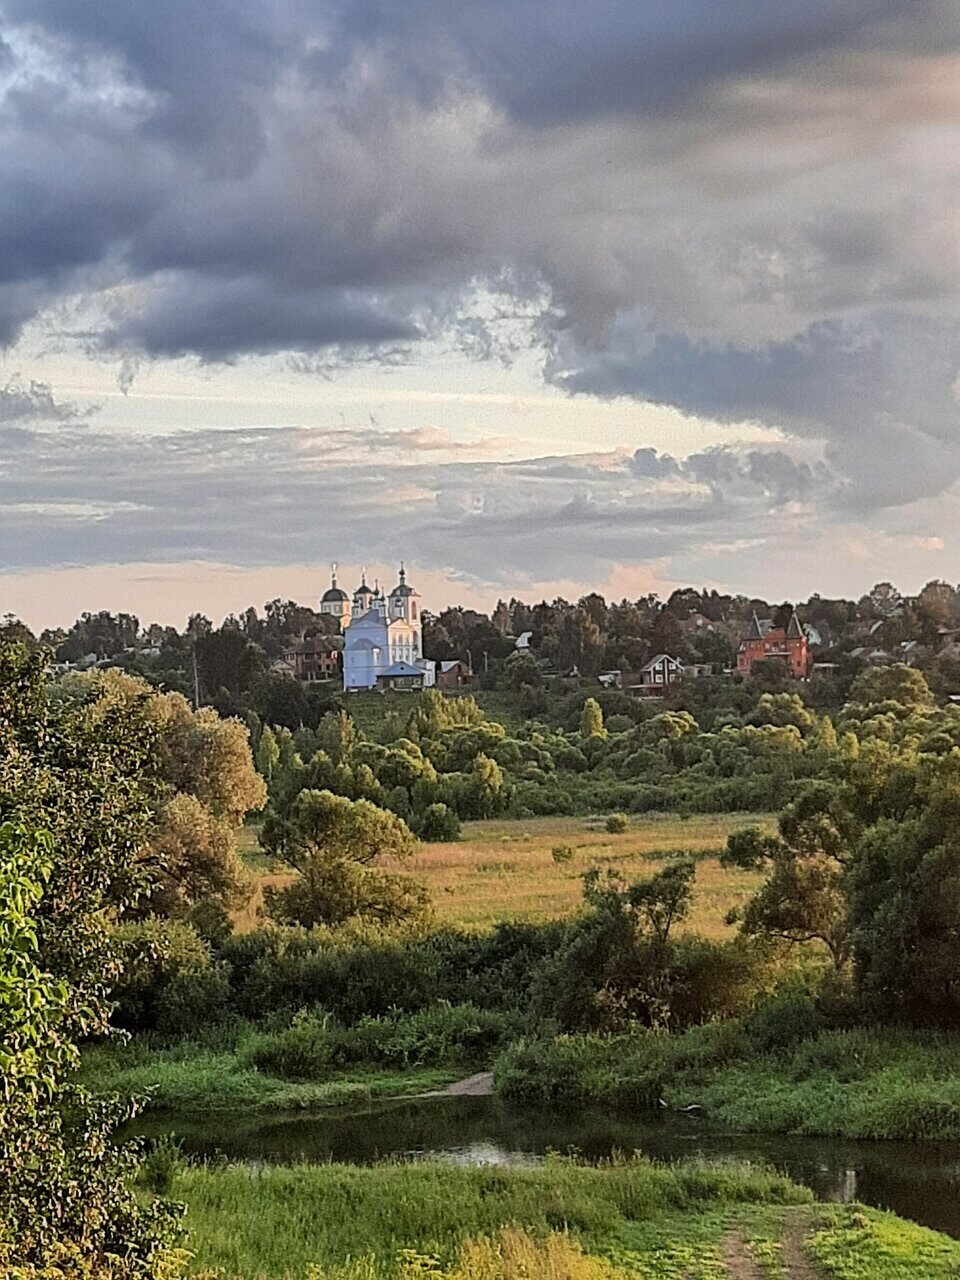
{"x": 882, "y": 393}
{"x": 215, "y": 319}
{"x": 743, "y": 209}
{"x": 569, "y": 61}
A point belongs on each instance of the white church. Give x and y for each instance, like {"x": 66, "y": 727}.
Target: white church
{"x": 382, "y": 636}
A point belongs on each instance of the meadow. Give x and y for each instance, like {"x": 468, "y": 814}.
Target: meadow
{"x": 504, "y": 870}
{"x": 561, "y": 1221}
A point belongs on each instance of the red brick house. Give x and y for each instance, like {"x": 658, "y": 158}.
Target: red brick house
{"x": 764, "y": 642}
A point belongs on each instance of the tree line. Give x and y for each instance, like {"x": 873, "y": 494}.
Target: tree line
{"x": 229, "y": 666}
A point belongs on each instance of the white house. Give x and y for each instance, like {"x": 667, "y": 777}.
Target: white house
{"x": 384, "y": 631}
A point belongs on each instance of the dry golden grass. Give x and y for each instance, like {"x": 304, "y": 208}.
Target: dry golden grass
{"x": 504, "y": 870}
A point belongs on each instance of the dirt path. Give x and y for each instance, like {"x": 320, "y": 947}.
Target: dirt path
{"x": 737, "y": 1260}
{"x": 795, "y": 1259}
{"x": 795, "y": 1263}
{"x": 478, "y": 1086}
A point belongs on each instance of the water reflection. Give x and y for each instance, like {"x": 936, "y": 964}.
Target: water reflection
{"x": 917, "y": 1180}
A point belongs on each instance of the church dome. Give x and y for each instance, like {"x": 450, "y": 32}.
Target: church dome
{"x": 363, "y": 590}
{"x": 401, "y": 589}
{"x": 334, "y": 595}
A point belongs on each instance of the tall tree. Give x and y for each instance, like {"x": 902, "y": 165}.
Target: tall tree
{"x": 75, "y": 806}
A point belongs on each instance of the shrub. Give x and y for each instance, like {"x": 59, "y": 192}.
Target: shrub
{"x": 791, "y": 1015}
{"x": 572, "y": 1070}
{"x": 437, "y": 822}
{"x": 170, "y": 981}
{"x": 161, "y": 1165}
{"x": 617, "y": 823}
{"x": 561, "y": 853}
{"x": 445, "y": 1035}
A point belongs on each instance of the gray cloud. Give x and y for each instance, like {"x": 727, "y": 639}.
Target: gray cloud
{"x": 881, "y": 392}
{"x": 743, "y": 210}
{"x": 574, "y": 62}
{"x": 217, "y": 318}
{"x": 34, "y": 402}
{"x": 273, "y": 496}
{"x": 363, "y": 148}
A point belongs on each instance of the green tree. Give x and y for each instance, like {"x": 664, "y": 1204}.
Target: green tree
{"x": 896, "y": 683}
{"x": 905, "y": 899}
{"x": 591, "y": 720}
{"x": 334, "y": 844}
{"x": 268, "y": 754}
{"x": 617, "y": 962}
{"x": 74, "y": 809}
{"x": 337, "y": 736}
{"x": 208, "y": 785}
{"x": 486, "y": 795}
{"x": 804, "y": 897}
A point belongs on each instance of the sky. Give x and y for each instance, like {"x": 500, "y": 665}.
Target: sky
{"x": 541, "y": 297}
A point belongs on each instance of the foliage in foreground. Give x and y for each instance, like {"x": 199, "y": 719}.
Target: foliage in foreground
{"x": 562, "y": 1221}
{"x": 72, "y": 806}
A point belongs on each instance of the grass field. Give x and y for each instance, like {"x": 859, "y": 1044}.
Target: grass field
{"x": 503, "y": 869}
{"x": 562, "y": 1221}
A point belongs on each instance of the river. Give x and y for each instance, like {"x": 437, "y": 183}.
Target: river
{"x": 917, "y": 1180}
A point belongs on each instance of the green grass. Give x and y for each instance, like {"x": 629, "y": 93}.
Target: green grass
{"x": 627, "y": 1219}
{"x": 191, "y": 1076}
{"x": 851, "y": 1084}
{"x": 279, "y": 1221}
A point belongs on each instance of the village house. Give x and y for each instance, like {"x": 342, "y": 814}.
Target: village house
{"x": 454, "y": 675}
{"x": 764, "y": 642}
{"x": 313, "y": 659}
{"x": 401, "y": 677}
{"x": 655, "y": 677}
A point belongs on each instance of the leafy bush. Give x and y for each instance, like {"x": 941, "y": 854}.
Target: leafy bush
{"x": 437, "y": 822}
{"x": 572, "y": 1070}
{"x": 617, "y": 823}
{"x": 446, "y": 1035}
{"x": 561, "y": 853}
{"x": 161, "y": 1165}
{"x": 170, "y": 982}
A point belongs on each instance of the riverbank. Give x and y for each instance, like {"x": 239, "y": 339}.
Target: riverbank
{"x": 308, "y": 1060}
{"x": 628, "y": 1218}
{"x": 851, "y": 1084}
{"x": 193, "y": 1077}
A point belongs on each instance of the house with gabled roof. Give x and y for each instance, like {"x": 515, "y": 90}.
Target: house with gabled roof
{"x": 763, "y": 642}
{"x": 655, "y": 677}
